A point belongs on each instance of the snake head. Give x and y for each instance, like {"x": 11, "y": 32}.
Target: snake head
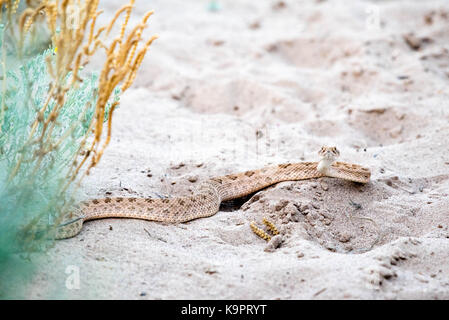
{"x": 329, "y": 153}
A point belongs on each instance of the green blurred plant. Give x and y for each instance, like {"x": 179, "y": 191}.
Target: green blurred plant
{"x": 34, "y": 194}
{"x": 52, "y": 114}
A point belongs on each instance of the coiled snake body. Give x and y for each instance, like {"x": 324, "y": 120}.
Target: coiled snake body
{"x": 206, "y": 201}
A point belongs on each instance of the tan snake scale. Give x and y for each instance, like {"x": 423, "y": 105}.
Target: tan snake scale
{"x": 206, "y": 201}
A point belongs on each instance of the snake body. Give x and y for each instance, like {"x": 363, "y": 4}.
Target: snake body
{"x": 206, "y": 201}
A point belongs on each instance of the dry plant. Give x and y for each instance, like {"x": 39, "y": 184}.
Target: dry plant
{"x": 122, "y": 63}
{"x": 262, "y": 233}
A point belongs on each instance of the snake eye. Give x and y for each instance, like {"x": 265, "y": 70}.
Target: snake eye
{"x": 334, "y": 151}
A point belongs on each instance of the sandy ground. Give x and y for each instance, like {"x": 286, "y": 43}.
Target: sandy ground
{"x": 267, "y": 82}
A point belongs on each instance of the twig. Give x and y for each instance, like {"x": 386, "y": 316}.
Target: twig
{"x": 158, "y": 238}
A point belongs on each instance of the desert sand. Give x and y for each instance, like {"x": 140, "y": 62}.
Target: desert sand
{"x": 256, "y": 83}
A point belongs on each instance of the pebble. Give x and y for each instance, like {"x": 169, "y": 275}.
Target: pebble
{"x": 274, "y": 243}
{"x": 178, "y": 166}
{"x": 344, "y": 237}
{"x": 192, "y": 179}
{"x": 255, "y": 25}
{"x": 324, "y": 186}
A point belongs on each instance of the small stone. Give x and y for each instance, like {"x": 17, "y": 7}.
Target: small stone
{"x": 279, "y": 5}
{"x": 274, "y": 243}
{"x": 324, "y": 186}
{"x": 178, "y": 166}
{"x": 219, "y": 43}
{"x": 175, "y": 96}
{"x": 255, "y": 25}
{"x": 344, "y": 237}
{"x": 192, "y": 179}
{"x": 414, "y": 42}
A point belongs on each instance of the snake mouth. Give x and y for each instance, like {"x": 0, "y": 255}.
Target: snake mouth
{"x": 329, "y": 156}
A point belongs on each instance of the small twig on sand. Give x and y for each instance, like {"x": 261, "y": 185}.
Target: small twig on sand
{"x": 357, "y": 206}
{"x": 158, "y": 238}
{"x": 319, "y": 292}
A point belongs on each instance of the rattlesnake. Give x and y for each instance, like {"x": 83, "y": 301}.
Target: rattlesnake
{"x": 206, "y": 201}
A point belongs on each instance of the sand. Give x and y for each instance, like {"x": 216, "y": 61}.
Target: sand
{"x": 266, "y": 82}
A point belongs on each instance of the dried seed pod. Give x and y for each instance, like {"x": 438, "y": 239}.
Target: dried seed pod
{"x": 270, "y": 225}
{"x": 261, "y": 233}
